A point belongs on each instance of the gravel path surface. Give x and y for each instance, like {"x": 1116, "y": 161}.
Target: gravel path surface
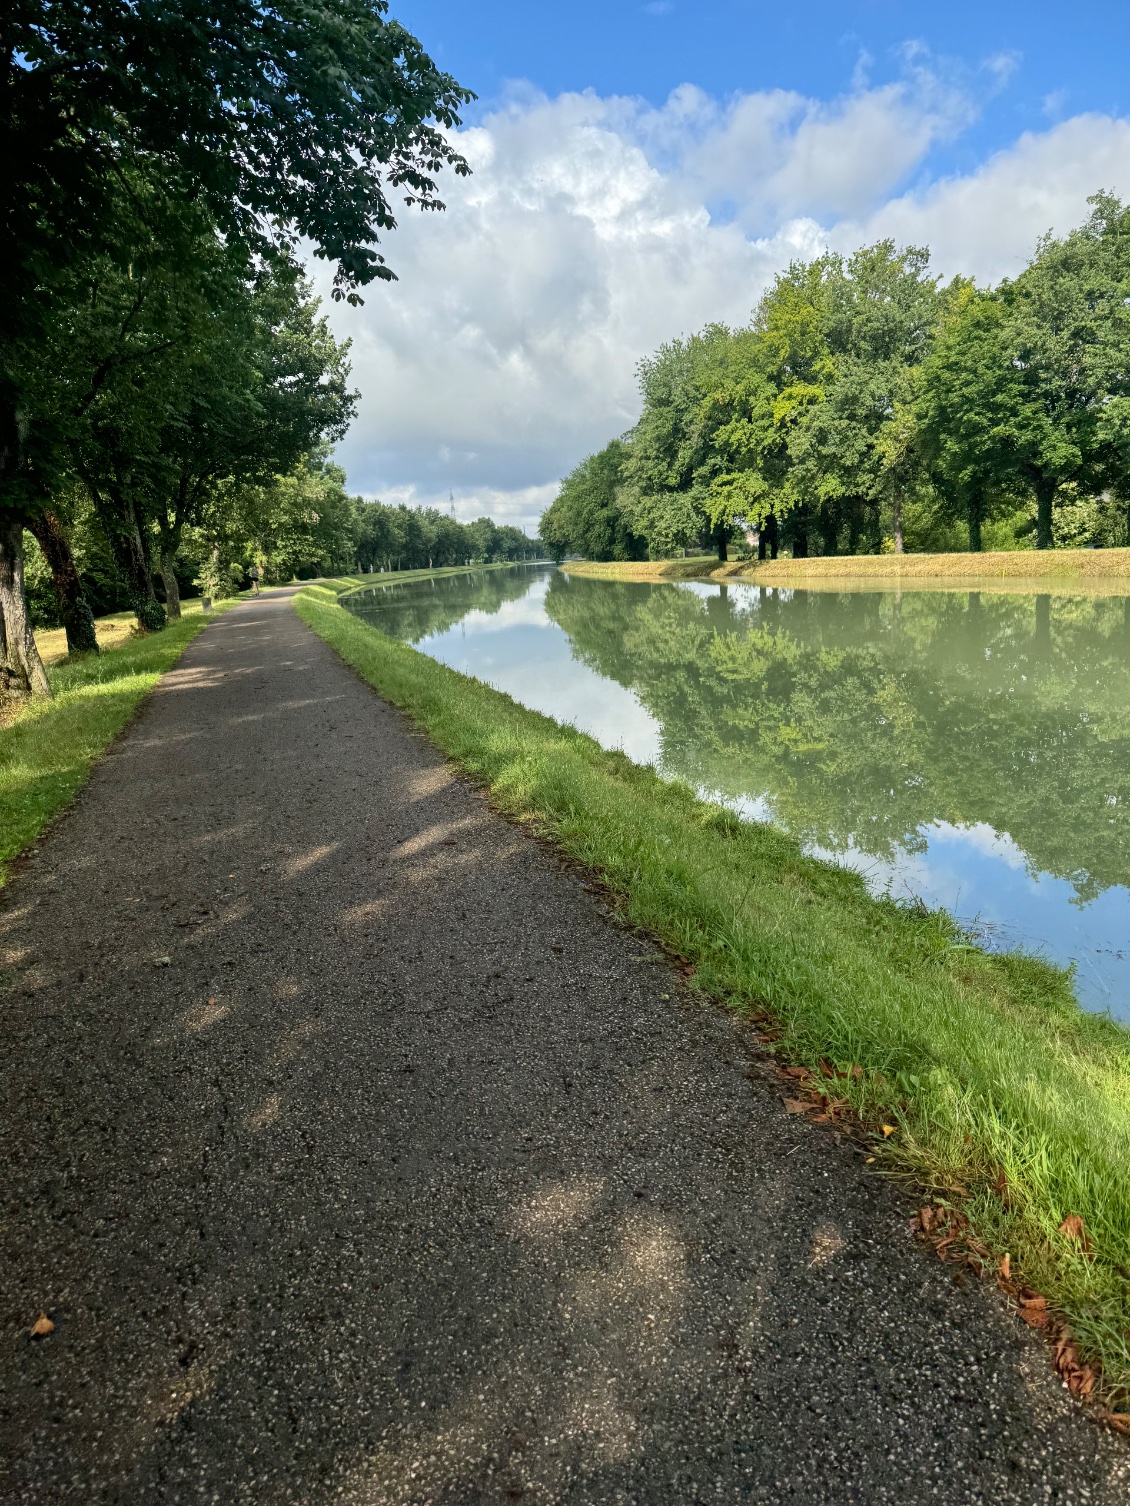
{"x": 405, "y": 1180}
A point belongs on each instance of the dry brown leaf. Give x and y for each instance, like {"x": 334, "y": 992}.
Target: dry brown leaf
{"x": 1074, "y": 1228}
{"x": 798, "y": 1106}
{"x": 42, "y": 1327}
{"x": 888, "y": 1130}
{"x": 801, "y": 1073}
{"x": 1005, "y": 1268}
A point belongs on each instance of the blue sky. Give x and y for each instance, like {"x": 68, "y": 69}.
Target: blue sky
{"x": 643, "y": 169}
{"x": 1028, "y": 62}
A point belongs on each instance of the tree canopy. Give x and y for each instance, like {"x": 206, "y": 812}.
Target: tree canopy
{"x": 160, "y": 355}
{"x": 867, "y": 407}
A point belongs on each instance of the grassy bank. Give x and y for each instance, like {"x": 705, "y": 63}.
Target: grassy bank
{"x": 1106, "y": 570}
{"x": 340, "y": 585}
{"x": 697, "y": 568}
{"x": 1057, "y": 567}
{"x": 47, "y": 747}
{"x": 1001, "y": 1097}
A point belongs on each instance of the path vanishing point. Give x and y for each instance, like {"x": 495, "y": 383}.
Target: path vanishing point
{"x": 411, "y": 1177}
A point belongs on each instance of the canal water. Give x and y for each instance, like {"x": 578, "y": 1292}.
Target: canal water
{"x": 969, "y": 749}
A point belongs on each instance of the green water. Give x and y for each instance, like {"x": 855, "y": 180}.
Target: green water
{"x": 968, "y": 749}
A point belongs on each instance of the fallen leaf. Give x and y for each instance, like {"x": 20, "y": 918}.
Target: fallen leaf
{"x": 1074, "y": 1228}
{"x": 888, "y": 1130}
{"x": 1120, "y": 1421}
{"x": 800, "y": 1073}
{"x": 798, "y": 1106}
{"x": 1005, "y": 1268}
{"x": 1001, "y": 1183}
{"x": 857, "y": 1073}
{"x": 42, "y": 1327}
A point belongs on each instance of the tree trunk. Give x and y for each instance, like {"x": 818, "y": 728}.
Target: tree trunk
{"x": 172, "y": 590}
{"x": 21, "y": 668}
{"x": 720, "y": 541}
{"x": 975, "y": 511}
{"x": 896, "y": 509}
{"x": 1045, "y": 500}
{"x": 119, "y": 524}
{"x": 772, "y": 534}
{"x": 800, "y": 544}
{"x": 74, "y": 608}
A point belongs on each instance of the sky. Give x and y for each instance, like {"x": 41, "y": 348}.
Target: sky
{"x": 644, "y": 167}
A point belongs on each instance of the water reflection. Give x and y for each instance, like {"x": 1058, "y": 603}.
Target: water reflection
{"x": 967, "y": 747}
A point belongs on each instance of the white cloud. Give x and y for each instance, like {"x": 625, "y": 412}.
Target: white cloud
{"x": 987, "y": 223}
{"x": 593, "y": 229}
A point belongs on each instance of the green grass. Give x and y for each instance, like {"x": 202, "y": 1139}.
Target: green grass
{"x": 983, "y": 1064}
{"x": 695, "y": 568}
{"x": 342, "y": 585}
{"x": 47, "y": 749}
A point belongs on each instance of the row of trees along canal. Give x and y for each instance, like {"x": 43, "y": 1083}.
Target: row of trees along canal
{"x": 869, "y": 407}
{"x": 168, "y": 387}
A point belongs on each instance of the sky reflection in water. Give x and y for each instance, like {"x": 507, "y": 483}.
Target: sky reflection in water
{"x": 966, "y": 748}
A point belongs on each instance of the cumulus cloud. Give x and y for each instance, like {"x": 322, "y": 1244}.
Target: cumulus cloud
{"x": 594, "y": 228}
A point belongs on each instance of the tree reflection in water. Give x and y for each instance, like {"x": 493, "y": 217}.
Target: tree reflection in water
{"x": 864, "y": 717}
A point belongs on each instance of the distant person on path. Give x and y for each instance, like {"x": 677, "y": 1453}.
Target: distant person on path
{"x": 254, "y": 574}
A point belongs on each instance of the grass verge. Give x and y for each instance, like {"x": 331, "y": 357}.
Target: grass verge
{"x": 342, "y": 585}
{"x": 1001, "y": 1096}
{"x": 47, "y": 748}
{"x": 697, "y": 568}
{"x": 1105, "y": 571}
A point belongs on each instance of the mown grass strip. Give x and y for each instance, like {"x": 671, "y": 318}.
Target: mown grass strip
{"x": 1059, "y": 570}
{"x": 997, "y": 1082}
{"x": 47, "y": 749}
{"x": 343, "y": 585}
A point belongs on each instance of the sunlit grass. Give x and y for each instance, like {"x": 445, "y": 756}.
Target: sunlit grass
{"x": 1005, "y": 564}
{"x": 1104, "y": 570}
{"x": 984, "y": 1064}
{"x": 339, "y": 585}
{"x": 111, "y": 631}
{"x": 47, "y": 747}
{"x": 694, "y": 568}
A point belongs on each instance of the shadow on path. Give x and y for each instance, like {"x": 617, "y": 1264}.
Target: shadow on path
{"x": 404, "y": 1181}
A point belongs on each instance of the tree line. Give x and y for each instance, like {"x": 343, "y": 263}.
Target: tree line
{"x": 169, "y": 388}
{"x": 869, "y": 407}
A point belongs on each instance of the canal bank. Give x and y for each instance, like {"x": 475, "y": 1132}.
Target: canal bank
{"x": 998, "y": 1095}
{"x": 356, "y": 1154}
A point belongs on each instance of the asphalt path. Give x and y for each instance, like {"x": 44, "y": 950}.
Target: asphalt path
{"x": 409, "y": 1176}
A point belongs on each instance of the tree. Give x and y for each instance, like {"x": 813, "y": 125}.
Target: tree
{"x": 672, "y": 462}
{"x": 972, "y": 415}
{"x": 586, "y": 517}
{"x": 284, "y": 122}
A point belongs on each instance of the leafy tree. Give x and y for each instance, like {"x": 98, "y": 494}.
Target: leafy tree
{"x": 586, "y": 517}
{"x": 975, "y": 424}
{"x": 673, "y": 463}
{"x": 285, "y": 121}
